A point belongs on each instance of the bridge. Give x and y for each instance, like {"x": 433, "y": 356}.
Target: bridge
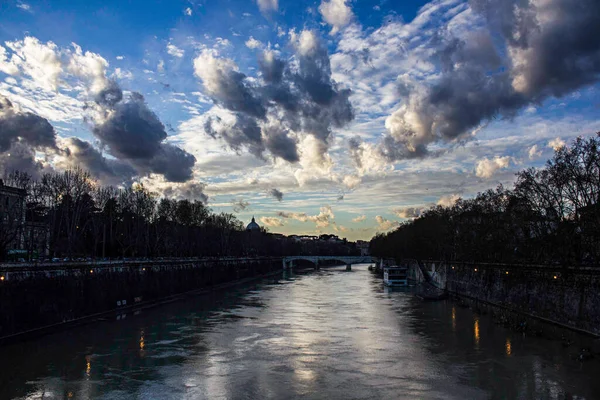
{"x": 288, "y": 262}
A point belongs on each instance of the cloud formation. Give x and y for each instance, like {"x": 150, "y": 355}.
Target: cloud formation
{"x": 239, "y": 205}
{"x": 546, "y": 49}
{"x": 276, "y": 194}
{"x": 271, "y": 221}
{"x": 385, "y": 224}
{"x": 336, "y": 13}
{"x": 267, "y": 6}
{"x": 556, "y": 144}
{"x": 409, "y": 212}
{"x": 360, "y": 218}
{"x": 486, "y": 168}
{"x": 21, "y": 134}
{"x": 321, "y": 220}
{"x": 291, "y": 100}
{"x": 132, "y": 132}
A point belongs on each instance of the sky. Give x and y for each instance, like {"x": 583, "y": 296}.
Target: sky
{"x": 333, "y": 116}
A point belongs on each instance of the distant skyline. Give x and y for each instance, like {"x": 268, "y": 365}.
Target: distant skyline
{"x": 343, "y": 117}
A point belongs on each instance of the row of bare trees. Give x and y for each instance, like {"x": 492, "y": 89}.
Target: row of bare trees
{"x": 552, "y": 215}
{"x": 84, "y": 219}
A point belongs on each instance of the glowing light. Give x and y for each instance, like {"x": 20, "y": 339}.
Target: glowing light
{"x": 143, "y": 269}
{"x": 555, "y": 277}
{"x": 453, "y": 318}
{"x": 476, "y": 332}
{"x": 475, "y": 269}
{"x": 88, "y": 365}
{"x": 506, "y": 272}
{"x": 452, "y": 267}
{"x": 2, "y": 278}
{"x": 508, "y": 347}
{"x": 91, "y": 271}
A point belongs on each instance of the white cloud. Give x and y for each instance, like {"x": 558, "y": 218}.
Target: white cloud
{"x": 120, "y": 57}
{"x": 409, "y": 212}
{"x": 175, "y": 51}
{"x": 486, "y": 168}
{"x": 448, "y": 200}
{"x": 271, "y": 221}
{"x": 386, "y": 224}
{"x": 556, "y": 144}
{"x": 161, "y": 66}
{"x": 321, "y": 220}
{"x": 266, "y": 6}
{"x": 88, "y": 66}
{"x": 122, "y": 74}
{"x": 188, "y": 11}
{"x": 351, "y": 181}
{"x": 336, "y": 13}
{"x": 253, "y": 43}
{"x": 24, "y": 6}
{"x": 37, "y": 60}
{"x": 534, "y": 152}
{"x": 360, "y": 218}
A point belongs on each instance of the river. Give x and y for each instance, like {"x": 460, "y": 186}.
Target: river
{"x": 331, "y": 334}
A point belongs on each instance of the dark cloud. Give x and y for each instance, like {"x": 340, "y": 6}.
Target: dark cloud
{"x": 276, "y": 194}
{"x": 292, "y": 97}
{"x": 134, "y": 135}
{"x": 228, "y": 87}
{"x": 21, "y": 157}
{"x": 24, "y": 127}
{"x": 245, "y": 132}
{"x": 280, "y": 144}
{"x": 108, "y": 171}
{"x": 21, "y": 134}
{"x": 271, "y": 67}
{"x": 543, "y": 51}
{"x": 239, "y": 205}
{"x": 110, "y": 95}
{"x": 174, "y": 163}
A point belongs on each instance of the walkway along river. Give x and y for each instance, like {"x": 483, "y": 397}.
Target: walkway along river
{"x": 322, "y": 334}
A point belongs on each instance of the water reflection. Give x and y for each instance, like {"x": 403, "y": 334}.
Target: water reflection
{"x": 476, "y": 332}
{"x": 327, "y": 334}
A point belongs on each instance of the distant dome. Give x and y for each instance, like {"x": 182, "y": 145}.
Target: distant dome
{"x": 253, "y": 226}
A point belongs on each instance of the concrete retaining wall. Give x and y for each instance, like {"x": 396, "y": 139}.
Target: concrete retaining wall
{"x": 570, "y": 297}
{"x": 32, "y": 298}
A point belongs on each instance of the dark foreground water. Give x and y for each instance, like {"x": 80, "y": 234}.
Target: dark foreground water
{"x": 330, "y": 334}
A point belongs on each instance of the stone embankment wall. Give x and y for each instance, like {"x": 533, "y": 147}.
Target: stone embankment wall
{"x": 36, "y": 297}
{"x": 569, "y": 297}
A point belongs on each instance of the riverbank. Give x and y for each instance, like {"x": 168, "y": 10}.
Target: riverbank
{"x": 36, "y": 301}
{"x": 567, "y": 298}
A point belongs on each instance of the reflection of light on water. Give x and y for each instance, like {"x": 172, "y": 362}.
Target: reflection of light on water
{"x": 453, "y": 319}
{"x": 508, "y": 347}
{"x": 142, "y": 342}
{"x": 476, "y": 331}
{"x": 304, "y": 374}
{"x": 88, "y": 365}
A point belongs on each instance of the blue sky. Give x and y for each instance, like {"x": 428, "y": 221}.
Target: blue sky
{"x": 424, "y": 102}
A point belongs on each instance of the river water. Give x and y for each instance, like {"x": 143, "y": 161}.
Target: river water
{"x": 329, "y": 334}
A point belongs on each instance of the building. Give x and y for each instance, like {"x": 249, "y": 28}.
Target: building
{"x": 363, "y": 246}
{"x": 253, "y": 226}
{"x": 12, "y": 216}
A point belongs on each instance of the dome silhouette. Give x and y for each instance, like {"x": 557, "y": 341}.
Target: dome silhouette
{"x": 253, "y": 226}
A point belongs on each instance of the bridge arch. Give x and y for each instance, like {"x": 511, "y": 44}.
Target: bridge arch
{"x": 288, "y": 261}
